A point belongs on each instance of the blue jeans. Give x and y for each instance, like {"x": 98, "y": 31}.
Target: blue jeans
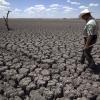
{"x": 87, "y": 52}
{"x": 87, "y": 55}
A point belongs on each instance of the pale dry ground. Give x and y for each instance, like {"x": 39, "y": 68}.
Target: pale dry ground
{"x": 39, "y": 60}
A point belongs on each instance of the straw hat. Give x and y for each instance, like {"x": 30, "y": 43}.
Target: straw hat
{"x": 85, "y": 11}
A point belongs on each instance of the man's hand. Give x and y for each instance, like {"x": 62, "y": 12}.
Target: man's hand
{"x": 86, "y": 46}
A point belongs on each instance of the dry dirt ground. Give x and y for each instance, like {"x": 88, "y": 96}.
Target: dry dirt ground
{"x": 39, "y": 60}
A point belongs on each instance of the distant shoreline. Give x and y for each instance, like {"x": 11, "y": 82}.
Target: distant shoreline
{"x": 51, "y": 18}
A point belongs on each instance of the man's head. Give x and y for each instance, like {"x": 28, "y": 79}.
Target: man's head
{"x": 85, "y": 14}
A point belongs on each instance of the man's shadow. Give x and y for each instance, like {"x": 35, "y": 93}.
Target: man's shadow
{"x": 96, "y": 69}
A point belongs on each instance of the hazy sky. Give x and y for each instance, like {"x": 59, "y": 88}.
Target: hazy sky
{"x": 48, "y": 8}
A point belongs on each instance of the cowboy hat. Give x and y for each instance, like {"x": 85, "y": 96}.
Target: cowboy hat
{"x": 85, "y": 11}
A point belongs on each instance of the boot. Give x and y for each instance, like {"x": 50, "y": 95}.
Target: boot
{"x": 92, "y": 65}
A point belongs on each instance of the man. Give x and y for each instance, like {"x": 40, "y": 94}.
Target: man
{"x": 90, "y": 37}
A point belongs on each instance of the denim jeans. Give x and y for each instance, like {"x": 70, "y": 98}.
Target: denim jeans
{"x": 87, "y": 52}
{"x": 87, "y": 55}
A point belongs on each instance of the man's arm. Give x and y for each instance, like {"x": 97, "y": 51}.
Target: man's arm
{"x": 90, "y": 31}
{"x": 88, "y": 41}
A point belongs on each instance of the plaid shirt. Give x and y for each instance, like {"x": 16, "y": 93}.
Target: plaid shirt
{"x": 90, "y": 28}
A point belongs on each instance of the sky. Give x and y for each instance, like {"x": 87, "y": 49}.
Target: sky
{"x": 48, "y": 8}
